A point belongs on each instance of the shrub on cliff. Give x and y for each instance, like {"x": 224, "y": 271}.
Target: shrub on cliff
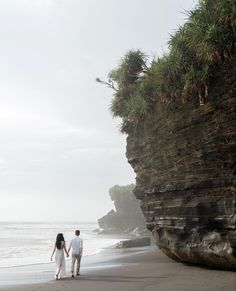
{"x": 124, "y": 200}
{"x": 196, "y": 49}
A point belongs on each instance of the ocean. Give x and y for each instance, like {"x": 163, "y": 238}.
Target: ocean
{"x": 29, "y": 243}
{"x": 26, "y": 249}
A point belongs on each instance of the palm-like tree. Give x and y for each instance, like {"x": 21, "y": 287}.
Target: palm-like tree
{"x": 206, "y": 40}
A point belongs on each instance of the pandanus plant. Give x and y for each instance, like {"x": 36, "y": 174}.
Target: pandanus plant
{"x": 207, "y": 39}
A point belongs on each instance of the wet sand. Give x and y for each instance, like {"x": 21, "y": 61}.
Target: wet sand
{"x": 147, "y": 270}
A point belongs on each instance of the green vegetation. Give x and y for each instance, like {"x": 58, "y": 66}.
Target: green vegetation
{"x": 127, "y": 215}
{"x": 125, "y": 201}
{"x": 207, "y": 39}
{"x": 122, "y": 193}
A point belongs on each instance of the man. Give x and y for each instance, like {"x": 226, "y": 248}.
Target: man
{"x": 77, "y": 249}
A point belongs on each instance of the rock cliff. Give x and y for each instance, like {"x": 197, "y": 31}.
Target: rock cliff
{"x": 184, "y": 159}
{"x": 179, "y": 112}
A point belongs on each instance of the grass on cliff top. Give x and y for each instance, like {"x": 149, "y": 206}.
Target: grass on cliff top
{"x": 196, "y": 49}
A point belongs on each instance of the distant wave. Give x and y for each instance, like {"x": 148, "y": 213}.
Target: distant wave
{"x": 31, "y": 243}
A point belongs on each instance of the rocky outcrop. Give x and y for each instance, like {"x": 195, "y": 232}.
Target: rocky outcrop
{"x": 134, "y": 243}
{"x": 184, "y": 159}
{"x": 127, "y": 216}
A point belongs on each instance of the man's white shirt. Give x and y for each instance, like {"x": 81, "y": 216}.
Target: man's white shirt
{"x": 76, "y": 244}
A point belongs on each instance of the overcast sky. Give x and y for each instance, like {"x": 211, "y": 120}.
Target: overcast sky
{"x": 60, "y": 149}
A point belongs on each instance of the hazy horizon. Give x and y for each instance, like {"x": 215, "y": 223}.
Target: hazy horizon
{"x": 60, "y": 148}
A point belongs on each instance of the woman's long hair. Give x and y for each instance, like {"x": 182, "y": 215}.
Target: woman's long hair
{"x": 59, "y": 239}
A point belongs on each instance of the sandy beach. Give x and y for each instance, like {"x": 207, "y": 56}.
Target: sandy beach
{"x": 145, "y": 269}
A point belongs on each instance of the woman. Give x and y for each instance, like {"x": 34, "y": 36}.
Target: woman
{"x": 60, "y": 248}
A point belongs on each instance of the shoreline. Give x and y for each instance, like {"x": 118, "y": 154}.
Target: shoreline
{"x": 136, "y": 269}
{"x": 41, "y": 273}
{"x": 42, "y": 270}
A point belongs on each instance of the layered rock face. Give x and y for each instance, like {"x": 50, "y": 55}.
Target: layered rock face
{"x": 184, "y": 159}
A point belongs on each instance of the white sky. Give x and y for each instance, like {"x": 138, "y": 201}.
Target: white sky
{"x": 60, "y": 149}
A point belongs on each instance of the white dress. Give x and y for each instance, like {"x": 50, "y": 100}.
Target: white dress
{"x": 60, "y": 261}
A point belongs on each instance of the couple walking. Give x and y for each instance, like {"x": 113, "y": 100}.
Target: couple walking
{"x": 76, "y": 244}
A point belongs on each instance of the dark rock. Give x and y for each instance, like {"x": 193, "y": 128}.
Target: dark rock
{"x": 184, "y": 157}
{"x": 132, "y": 243}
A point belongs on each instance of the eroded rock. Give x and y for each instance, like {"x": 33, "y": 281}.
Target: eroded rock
{"x": 184, "y": 157}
